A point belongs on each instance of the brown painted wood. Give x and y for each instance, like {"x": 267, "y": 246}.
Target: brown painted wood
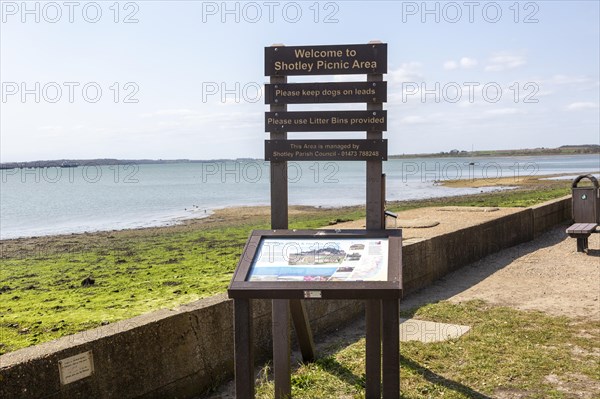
{"x": 373, "y": 349}
{"x": 280, "y": 62}
{"x": 582, "y": 244}
{"x": 327, "y": 289}
{"x": 391, "y": 349}
{"x": 325, "y": 150}
{"x": 371, "y": 52}
{"x": 304, "y": 335}
{"x": 392, "y": 288}
{"x": 279, "y": 220}
{"x": 330, "y": 92}
{"x": 582, "y": 228}
{"x": 586, "y": 202}
{"x": 279, "y": 175}
{"x": 281, "y": 348}
{"x": 323, "y": 121}
{"x": 375, "y": 200}
{"x": 243, "y": 348}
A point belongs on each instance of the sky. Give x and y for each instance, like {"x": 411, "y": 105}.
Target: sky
{"x": 184, "y": 79}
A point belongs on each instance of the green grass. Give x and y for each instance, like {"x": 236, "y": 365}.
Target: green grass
{"x": 506, "y": 350}
{"x": 41, "y": 296}
{"x": 510, "y": 198}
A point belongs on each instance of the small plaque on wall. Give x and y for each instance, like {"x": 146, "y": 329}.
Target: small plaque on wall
{"x": 76, "y": 367}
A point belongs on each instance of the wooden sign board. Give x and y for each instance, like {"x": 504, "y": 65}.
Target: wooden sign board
{"x": 336, "y": 92}
{"x": 325, "y": 150}
{"x": 323, "y": 264}
{"x": 326, "y": 60}
{"x": 325, "y": 121}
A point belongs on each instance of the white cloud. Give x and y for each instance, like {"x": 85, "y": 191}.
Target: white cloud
{"x": 503, "y": 111}
{"x": 412, "y": 120}
{"x": 169, "y": 112}
{"x": 176, "y": 112}
{"x": 464, "y": 62}
{"x": 407, "y": 72}
{"x": 450, "y": 65}
{"x": 503, "y": 61}
{"x": 51, "y": 128}
{"x": 565, "y": 79}
{"x": 581, "y": 105}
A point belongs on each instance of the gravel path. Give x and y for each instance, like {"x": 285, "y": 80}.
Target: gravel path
{"x": 546, "y": 274}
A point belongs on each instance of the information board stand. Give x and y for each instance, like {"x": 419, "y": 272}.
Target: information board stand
{"x": 322, "y": 264}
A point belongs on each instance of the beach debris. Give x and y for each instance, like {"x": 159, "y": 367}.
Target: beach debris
{"x": 88, "y": 282}
{"x": 339, "y": 220}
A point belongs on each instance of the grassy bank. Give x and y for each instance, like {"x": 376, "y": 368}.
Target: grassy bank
{"x": 506, "y": 354}
{"x": 43, "y": 295}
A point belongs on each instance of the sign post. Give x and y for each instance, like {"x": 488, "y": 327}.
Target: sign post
{"x": 347, "y": 271}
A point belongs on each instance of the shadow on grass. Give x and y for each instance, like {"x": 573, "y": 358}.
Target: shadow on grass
{"x": 335, "y": 368}
{"x": 439, "y": 380}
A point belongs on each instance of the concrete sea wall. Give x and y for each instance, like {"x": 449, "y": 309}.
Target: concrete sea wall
{"x": 185, "y": 352}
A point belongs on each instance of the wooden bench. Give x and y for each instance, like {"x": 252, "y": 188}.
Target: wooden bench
{"x": 582, "y": 231}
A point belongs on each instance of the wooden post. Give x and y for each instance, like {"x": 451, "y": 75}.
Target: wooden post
{"x": 375, "y": 221}
{"x": 391, "y": 349}
{"x": 281, "y": 348}
{"x": 279, "y": 176}
{"x": 374, "y": 173}
{"x": 373, "y": 349}
{"x": 279, "y": 220}
{"x": 303, "y": 331}
{"x": 243, "y": 353}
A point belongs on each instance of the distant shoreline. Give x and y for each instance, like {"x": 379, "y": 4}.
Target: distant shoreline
{"x": 586, "y": 149}
{"x": 241, "y": 212}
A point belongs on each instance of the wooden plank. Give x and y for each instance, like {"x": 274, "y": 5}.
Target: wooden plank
{"x": 325, "y": 150}
{"x": 591, "y": 227}
{"x": 281, "y": 349}
{"x": 326, "y": 60}
{"x": 582, "y": 228}
{"x": 330, "y": 92}
{"x": 243, "y": 348}
{"x": 303, "y": 332}
{"x": 326, "y": 121}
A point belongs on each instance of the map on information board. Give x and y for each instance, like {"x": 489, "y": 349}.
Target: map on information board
{"x": 313, "y": 259}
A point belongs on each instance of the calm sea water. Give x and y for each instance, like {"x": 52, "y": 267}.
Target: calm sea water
{"x": 49, "y": 201}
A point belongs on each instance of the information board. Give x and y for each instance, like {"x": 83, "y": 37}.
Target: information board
{"x": 325, "y": 121}
{"x": 336, "y": 264}
{"x": 312, "y": 259}
{"x": 325, "y": 150}
{"x": 330, "y": 92}
{"x": 326, "y": 60}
